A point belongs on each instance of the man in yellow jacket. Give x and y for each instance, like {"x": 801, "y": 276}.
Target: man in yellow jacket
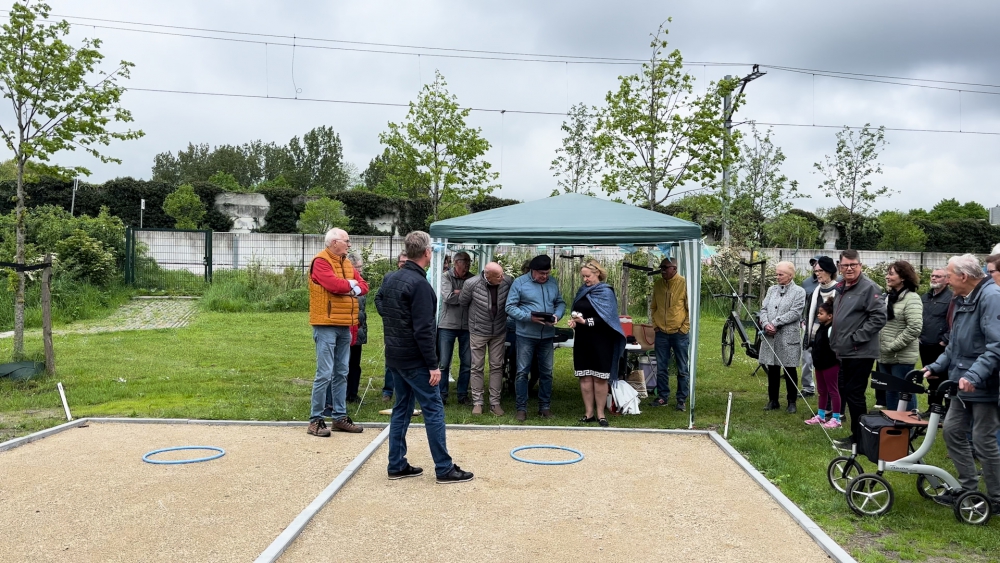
{"x": 671, "y": 322}
{"x": 334, "y": 287}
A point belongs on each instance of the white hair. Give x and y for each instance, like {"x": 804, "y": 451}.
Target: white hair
{"x": 334, "y": 234}
{"x": 356, "y": 260}
{"x": 788, "y": 266}
{"x": 967, "y": 264}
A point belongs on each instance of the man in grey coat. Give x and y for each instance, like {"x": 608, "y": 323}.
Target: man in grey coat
{"x": 972, "y": 358}
{"x": 858, "y": 316}
{"x": 454, "y": 325}
{"x": 485, "y": 296}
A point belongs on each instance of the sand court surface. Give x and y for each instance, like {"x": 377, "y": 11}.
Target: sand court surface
{"x": 85, "y": 494}
{"x": 635, "y": 497}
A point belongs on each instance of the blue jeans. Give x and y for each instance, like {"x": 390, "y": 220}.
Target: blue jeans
{"x": 665, "y": 345}
{"x": 414, "y": 385}
{"x": 387, "y": 387}
{"x": 529, "y": 349}
{"x": 898, "y": 371}
{"x": 333, "y": 355}
{"x": 446, "y": 348}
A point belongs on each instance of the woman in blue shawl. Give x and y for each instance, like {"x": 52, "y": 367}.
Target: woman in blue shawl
{"x": 599, "y": 340}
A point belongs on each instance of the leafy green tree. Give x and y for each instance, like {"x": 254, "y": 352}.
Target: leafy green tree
{"x": 436, "y": 154}
{"x": 321, "y": 215}
{"x": 33, "y": 171}
{"x": 762, "y": 193}
{"x": 654, "y": 136}
{"x": 792, "y": 231}
{"x": 577, "y": 161}
{"x": 61, "y": 101}
{"x": 185, "y": 207}
{"x": 226, "y": 181}
{"x": 85, "y": 258}
{"x": 848, "y": 170}
{"x": 866, "y": 228}
{"x": 947, "y": 209}
{"x": 900, "y": 233}
{"x": 317, "y": 161}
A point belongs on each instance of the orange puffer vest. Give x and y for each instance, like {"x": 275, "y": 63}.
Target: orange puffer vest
{"x": 327, "y": 308}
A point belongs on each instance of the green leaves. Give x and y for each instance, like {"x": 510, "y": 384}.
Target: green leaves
{"x": 654, "y": 135}
{"x": 577, "y": 161}
{"x": 185, "y": 207}
{"x": 321, "y": 215}
{"x": 847, "y": 172}
{"x": 434, "y": 154}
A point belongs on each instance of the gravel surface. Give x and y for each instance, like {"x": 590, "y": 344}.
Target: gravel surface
{"x": 636, "y": 497}
{"x": 86, "y": 495}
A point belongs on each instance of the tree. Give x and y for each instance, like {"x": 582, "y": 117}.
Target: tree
{"x": 61, "y": 101}
{"x": 653, "y": 136}
{"x": 226, "y": 181}
{"x": 321, "y": 215}
{"x": 576, "y": 161}
{"x": 762, "y": 193}
{"x": 317, "y": 161}
{"x": 435, "y": 154}
{"x": 792, "y": 231}
{"x": 185, "y": 207}
{"x": 947, "y": 209}
{"x": 848, "y": 171}
{"x": 900, "y": 233}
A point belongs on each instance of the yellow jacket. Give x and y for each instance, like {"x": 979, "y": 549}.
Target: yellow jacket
{"x": 670, "y": 306}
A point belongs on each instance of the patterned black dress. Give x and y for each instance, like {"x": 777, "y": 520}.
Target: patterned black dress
{"x": 593, "y": 343}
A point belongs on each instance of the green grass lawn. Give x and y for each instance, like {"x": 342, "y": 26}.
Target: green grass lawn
{"x": 260, "y": 367}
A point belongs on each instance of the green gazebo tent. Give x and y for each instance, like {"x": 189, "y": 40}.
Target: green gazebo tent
{"x": 575, "y": 219}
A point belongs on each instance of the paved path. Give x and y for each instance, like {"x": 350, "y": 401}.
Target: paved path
{"x": 138, "y": 314}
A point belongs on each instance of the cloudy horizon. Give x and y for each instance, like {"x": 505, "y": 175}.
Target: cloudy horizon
{"x": 922, "y": 40}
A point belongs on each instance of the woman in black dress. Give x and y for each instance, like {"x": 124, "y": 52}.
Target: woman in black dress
{"x": 598, "y": 340}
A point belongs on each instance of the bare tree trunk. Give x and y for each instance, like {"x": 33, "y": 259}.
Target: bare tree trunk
{"x": 18, "y": 349}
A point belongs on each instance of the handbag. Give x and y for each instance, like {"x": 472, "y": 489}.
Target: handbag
{"x": 645, "y": 336}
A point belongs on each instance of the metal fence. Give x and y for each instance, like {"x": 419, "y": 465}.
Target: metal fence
{"x": 920, "y": 260}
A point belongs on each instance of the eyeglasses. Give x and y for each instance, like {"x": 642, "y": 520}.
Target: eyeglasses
{"x": 853, "y": 266}
{"x": 991, "y": 272}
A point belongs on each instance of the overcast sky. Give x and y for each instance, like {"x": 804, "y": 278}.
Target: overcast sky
{"x": 956, "y": 41}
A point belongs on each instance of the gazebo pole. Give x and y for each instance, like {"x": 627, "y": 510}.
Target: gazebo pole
{"x": 440, "y": 246}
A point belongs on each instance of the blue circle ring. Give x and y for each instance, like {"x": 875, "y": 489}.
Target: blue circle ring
{"x": 579, "y": 454}
{"x": 146, "y": 458}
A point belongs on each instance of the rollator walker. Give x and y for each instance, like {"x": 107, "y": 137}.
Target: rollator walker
{"x": 887, "y": 439}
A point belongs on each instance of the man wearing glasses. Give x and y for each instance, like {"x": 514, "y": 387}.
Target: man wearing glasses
{"x": 934, "y": 335}
{"x": 333, "y": 309}
{"x": 858, "y": 316}
{"x": 454, "y": 325}
{"x": 671, "y": 323}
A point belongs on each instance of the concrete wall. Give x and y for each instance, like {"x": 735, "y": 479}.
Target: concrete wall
{"x": 247, "y": 210}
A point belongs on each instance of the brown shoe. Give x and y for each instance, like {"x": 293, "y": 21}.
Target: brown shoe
{"x": 521, "y": 416}
{"x": 478, "y": 409}
{"x": 318, "y": 428}
{"x": 347, "y": 425}
{"x": 545, "y": 413}
{"x": 496, "y": 410}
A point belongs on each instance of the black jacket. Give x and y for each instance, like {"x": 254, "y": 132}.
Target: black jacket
{"x": 408, "y": 307}
{"x": 936, "y": 316}
{"x": 822, "y": 355}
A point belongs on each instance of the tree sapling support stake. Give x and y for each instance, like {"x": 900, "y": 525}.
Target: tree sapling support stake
{"x": 62, "y": 395}
{"x": 729, "y": 408}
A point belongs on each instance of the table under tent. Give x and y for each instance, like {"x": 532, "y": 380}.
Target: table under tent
{"x": 578, "y": 220}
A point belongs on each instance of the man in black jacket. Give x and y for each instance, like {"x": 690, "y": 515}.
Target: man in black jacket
{"x": 934, "y": 335}
{"x": 408, "y": 307}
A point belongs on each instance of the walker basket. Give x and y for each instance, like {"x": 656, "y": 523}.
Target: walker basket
{"x": 881, "y": 439}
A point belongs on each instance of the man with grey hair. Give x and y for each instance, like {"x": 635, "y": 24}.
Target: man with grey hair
{"x": 408, "y": 307}
{"x": 334, "y": 287}
{"x": 972, "y": 358}
{"x": 485, "y": 297}
{"x": 454, "y": 325}
{"x": 934, "y": 333}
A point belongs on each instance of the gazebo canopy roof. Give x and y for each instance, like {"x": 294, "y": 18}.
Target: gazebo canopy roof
{"x": 567, "y": 219}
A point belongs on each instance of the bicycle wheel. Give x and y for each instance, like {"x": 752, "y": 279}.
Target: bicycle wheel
{"x": 728, "y": 342}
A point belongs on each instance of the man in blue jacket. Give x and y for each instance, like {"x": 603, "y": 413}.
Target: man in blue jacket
{"x": 531, "y": 297}
{"x": 972, "y": 358}
{"x": 408, "y": 307}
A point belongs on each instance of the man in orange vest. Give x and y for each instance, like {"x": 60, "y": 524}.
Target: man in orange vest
{"x": 333, "y": 309}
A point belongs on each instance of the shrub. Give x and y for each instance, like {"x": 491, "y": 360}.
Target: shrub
{"x": 185, "y": 207}
{"x": 85, "y": 258}
{"x": 321, "y": 215}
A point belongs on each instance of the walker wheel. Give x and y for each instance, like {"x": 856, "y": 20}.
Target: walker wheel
{"x": 930, "y": 487}
{"x": 973, "y": 507}
{"x": 841, "y": 471}
{"x": 869, "y": 495}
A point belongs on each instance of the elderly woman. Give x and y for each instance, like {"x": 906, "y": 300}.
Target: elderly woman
{"x": 781, "y": 347}
{"x": 899, "y": 340}
{"x": 599, "y": 340}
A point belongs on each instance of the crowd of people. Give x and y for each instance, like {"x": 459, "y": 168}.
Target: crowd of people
{"x": 850, "y": 326}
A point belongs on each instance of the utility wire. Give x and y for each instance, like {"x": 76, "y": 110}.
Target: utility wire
{"x": 521, "y": 112}
{"x": 879, "y": 81}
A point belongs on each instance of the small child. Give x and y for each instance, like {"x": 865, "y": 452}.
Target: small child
{"x": 827, "y": 368}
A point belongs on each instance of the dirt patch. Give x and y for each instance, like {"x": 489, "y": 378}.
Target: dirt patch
{"x": 86, "y": 495}
{"x": 635, "y": 497}
{"x": 19, "y": 423}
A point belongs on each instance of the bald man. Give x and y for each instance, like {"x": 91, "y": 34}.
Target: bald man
{"x": 334, "y": 287}
{"x": 485, "y": 296}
